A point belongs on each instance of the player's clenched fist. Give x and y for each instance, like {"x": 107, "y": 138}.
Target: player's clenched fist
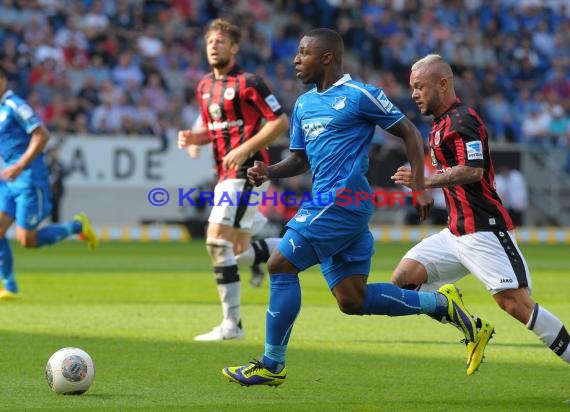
{"x": 185, "y": 138}
{"x": 192, "y": 137}
{"x": 257, "y": 174}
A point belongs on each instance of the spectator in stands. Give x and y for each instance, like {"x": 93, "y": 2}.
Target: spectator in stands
{"x": 95, "y": 21}
{"x": 511, "y": 187}
{"x": 558, "y": 83}
{"x": 559, "y": 126}
{"x": 155, "y": 94}
{"x": 107, "y": 117}
{"x": 499, "y": 116}
{"x": 126, "y": 70}
{"x": 149, "y": 44}
{"x": 535, "y": 127}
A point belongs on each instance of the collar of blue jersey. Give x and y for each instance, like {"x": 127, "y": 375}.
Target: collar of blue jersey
{"x": 346, "y": 77}
{"x": 6, "y": 94}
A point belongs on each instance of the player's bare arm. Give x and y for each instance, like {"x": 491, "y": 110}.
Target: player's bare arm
{"x": 406, "y": 130}
{"x": 295, "y": 164}
{"x": 193, "y": 151}
{"x": 266, "y": 135}
{"x": 189, "y": 137}
{"x": 36, "y": 146}
{"x": 456, "y": 175}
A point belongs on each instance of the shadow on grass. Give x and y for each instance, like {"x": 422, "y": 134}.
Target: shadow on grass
{"x": 185, "y": 376}
{"x": 447, "y": 342}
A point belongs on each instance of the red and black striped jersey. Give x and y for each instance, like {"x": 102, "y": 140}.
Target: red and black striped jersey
{"x": 233, "y": 108}
{"x": 459, "y": 137}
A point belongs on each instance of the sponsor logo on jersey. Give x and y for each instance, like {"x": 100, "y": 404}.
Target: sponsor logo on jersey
{"x": 474, "y": 150}
{"x": 385, "y": 102}
{"x": 206, "y": 96}
{"x": 225, "y": 125}
{"x": 339, "y": 103}
{"x": 312, "y": 128}
{"x": 273, "y": 103}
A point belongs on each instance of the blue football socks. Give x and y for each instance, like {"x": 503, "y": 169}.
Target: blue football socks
{"x": 441, "y": 305}
{"x": 388, "y": 299}
{"x": 284, "y": 306}
{"x": 54, "y": 233}
{"x": 7, "y": 266}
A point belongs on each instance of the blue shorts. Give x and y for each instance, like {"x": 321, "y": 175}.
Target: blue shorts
{"x": 29, "y": 206}
{"x": 336, "y": 238}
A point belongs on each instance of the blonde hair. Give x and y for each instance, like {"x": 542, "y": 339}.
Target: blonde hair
{"x": 427, "y": 60}
{"x": 441, "y": 66}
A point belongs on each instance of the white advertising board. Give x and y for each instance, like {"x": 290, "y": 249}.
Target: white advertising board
{"x": 120, "y": 162}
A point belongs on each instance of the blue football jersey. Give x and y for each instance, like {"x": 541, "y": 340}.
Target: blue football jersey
{"x": 17, "y": 122}
{"x": 335, "y": 129}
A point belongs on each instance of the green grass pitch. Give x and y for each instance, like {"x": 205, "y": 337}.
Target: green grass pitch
{"x": 135, "y": 307}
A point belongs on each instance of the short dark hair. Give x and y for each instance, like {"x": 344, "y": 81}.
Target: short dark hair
{"x": 3, "y": 71}
{"x": 225, "y": 26}
{"x": 331, "y": 39}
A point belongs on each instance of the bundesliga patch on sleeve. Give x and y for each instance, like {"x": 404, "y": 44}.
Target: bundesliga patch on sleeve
{"x": 272, "y": 102}
{"x": 474, "y": 150}
{"x": 385, "y": 102}
{"x": 25, "y": 111}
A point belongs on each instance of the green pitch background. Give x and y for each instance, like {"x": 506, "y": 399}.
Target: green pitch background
{"x": 135, "y": 307}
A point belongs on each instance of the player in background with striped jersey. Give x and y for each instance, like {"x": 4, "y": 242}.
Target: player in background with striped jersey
{"x": 480, "y": 236}
{"x": 241, "y": 117}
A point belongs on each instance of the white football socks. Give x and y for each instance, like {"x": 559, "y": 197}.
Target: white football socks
{"x": 551, "y": 331}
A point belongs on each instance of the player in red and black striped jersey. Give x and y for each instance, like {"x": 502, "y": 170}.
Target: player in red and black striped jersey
{"x": 480, "y": 237}
{"x": 233, "y": 109}
{"x": 459, "y": 138}
{"x": 240, "y": 117}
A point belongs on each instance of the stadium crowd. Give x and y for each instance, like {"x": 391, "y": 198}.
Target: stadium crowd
{"x": 131, "y": 66}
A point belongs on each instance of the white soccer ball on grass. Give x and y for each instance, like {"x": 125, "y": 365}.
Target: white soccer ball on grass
{"x": 70, "y": 371}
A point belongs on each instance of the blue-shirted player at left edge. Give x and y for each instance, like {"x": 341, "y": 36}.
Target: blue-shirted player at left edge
{"x": 24, "y": 187}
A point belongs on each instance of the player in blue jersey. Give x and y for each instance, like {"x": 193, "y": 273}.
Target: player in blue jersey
{"x": 332, "y": 128}
{"x": 24, "y": 186}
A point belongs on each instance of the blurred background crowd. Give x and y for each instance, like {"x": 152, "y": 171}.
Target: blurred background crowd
{"x": 130, "y": 67}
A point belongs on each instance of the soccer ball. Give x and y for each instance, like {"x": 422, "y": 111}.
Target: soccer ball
{"x": 70, "y": 371}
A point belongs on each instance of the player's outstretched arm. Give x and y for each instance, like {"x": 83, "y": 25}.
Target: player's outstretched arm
{"x": 295, "y": 164}
{"x": 263, "y": 138}
{"x": 189, "y": 137}
{"x": 406, "y": 130}
{"x": 270, "y": 131}
{"x": 456, "y": 175}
